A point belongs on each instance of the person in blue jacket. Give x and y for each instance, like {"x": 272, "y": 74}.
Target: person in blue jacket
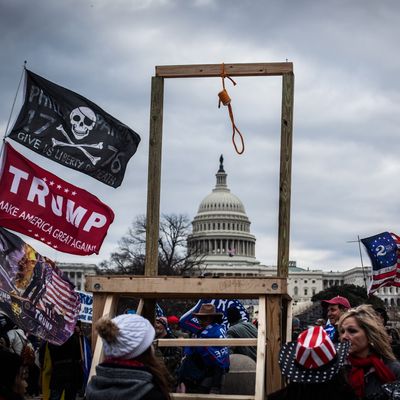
{"x": 203, "y": 368}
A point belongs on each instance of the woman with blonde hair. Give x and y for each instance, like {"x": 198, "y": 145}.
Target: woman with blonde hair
{"x": 371, "y": 359}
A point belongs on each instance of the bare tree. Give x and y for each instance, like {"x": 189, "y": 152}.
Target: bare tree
{"x": 174, "y": 256}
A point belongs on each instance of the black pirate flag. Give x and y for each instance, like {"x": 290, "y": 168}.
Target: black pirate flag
{"x": 73, "y": 131}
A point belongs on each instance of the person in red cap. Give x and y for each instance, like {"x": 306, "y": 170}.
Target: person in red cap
{"x": 337, "y": 306}
{"x": 173, "y": 319}
{"x": 173, "y": 322}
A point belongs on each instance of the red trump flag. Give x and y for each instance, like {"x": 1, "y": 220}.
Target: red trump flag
{"x": 38, "y": 204}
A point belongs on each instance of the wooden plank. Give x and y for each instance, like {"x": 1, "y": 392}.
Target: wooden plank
{"x": 214, "y": 70}
{"x": 149, "y": 310}
{"x": 108, "y": 310}
{"x": 179, "y": 287}
{"x": 140, "y": 307}
{"x": 99, "y": 300}
{"x": 285, "y": 176}
{"x": 205, "y": 342}
{"x": 274, "y": 376}
{"x": 154, "y": 176}
{"x": 289, "y": 305}
{"x": 194, "y": 396}
{"x": 153, "y": 188}
{"x": 261, "y": 340}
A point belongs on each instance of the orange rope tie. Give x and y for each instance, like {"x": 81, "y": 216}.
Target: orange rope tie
{"x": 226, "y": 101}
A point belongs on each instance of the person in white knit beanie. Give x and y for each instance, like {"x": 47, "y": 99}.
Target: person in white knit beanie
{"x": 130, "y": 369}
{"x": 126, "y": 336}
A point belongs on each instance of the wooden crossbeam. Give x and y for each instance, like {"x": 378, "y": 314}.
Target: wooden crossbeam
{"x": 205, "y": 342}
{"x": 178, "y": 287}
{"x": 214, "y": 70}
{"x": 194, "y": 396}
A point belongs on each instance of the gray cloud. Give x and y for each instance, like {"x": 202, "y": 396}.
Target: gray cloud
{"x": 345, "y": 154}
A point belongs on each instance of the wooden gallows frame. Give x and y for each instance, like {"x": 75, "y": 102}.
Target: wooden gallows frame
{"x": 274, "y": 303}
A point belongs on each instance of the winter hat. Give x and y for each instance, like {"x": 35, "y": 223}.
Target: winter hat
{"x": 125, "y": 336}
{"x": 163, "y": 321}
{"x": 313, "y": 358}
{"x": 173, "y": 319}
{"x": 207, "y": 310}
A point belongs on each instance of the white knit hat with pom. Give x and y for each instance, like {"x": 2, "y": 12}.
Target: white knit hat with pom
{"x": 135, "y": 336}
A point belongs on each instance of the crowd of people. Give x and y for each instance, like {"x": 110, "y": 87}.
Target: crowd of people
{"x": 52, "y": 371}
{"x": 349, "y": 355}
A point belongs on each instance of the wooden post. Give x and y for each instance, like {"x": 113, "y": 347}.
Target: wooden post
{"x": 289, "y": 317}
{"x": 139, "y": 309}
{"x": 99, "y": 300}
{"x": 153, "y": 188}
{"x": 154, "y": 176}
{"x": 261, "y": 356}
{"x": 274, "y": 376}
{"x": 285, "y": 174}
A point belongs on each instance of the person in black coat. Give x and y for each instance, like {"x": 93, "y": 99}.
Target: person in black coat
{"x": 66, "y": 369}
{"x": 13, "y": 376}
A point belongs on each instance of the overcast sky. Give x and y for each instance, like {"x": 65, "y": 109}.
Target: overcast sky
{"x": 346, "y": 142}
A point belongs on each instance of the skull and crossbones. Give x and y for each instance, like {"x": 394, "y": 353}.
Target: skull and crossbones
{"x": 83, "y": 120}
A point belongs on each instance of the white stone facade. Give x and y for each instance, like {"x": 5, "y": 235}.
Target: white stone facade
{"x": 302, "y": 283}
{"x": 77, "y": 272}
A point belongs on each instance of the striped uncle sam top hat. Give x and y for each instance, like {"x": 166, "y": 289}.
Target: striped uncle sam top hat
{"x": 313, "y": 358}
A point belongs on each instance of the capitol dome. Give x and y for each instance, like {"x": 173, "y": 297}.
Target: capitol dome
{"x": 221, "y": 228}
{"x": 221, "y": 200}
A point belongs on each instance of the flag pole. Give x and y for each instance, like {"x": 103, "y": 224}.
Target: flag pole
{"x": 361, "y": 258}
{"x": 362, "y": 263}
{"x": 15, "y": 99}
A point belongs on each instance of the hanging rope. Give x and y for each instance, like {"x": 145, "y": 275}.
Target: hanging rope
{"x": 226, "y": 101}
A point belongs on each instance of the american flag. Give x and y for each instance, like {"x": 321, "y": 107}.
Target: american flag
{"x": 59, "y": 295}
{"x": 384, "y": 252}
{"x": 44, "y": 302}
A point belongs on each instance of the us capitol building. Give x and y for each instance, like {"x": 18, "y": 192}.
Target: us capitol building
{"x": 221, "y": 234}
